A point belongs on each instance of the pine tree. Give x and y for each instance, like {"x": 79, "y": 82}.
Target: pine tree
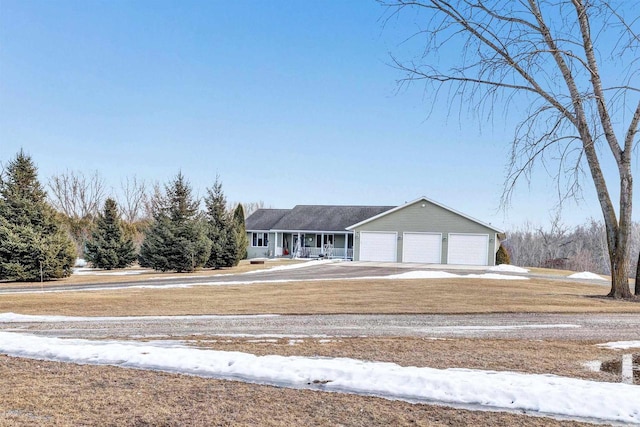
{"x": 33, "y": 243}
{"x": 109, "y": 246}
{"x": 220, "y": 229}
{"x": 241, "y": 231}
{"x": 177, "y": 238}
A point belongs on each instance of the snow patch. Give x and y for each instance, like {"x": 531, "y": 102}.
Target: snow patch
{"x": 542, "y": 394}
{"x": 27, "y": 318}
{"x": 97, "y": 272}
{"x": 586, "y": 275}
{"x": 621, "y": 345}
{"x": 506, "y": 268}
{"x": 494, "y": 276}
{"x": 423, "y": 274}
{"x": 295, "y": 266}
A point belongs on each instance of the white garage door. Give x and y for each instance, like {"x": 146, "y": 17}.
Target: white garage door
{"x": 421, "y": 247}
{"x": 468, "y": 249}
{"x": 375, "y": 246}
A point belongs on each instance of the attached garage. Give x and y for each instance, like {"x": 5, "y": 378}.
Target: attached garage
{"x": 422, "y": 247}
{"x": 378, "y": 246}
{"x": 468, "y": 249}
{"x": 424, "y": 231}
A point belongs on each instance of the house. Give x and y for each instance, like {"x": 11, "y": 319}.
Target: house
{"x": 422, "y": 231}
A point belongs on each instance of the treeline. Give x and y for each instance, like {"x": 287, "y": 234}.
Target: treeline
{"x": 42, "y": 234}
{"x": 579, "y": 248}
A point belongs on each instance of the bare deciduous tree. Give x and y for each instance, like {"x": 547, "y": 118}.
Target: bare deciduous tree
{"x": 572, "y": 62}
{"x": 77, "y": 195}
{"x": 251, "y": 207}
{"x": 133, "y": 199}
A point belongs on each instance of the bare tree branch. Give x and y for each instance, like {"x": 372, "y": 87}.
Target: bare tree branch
{"x": 547, "y": 54}
{"x": 76, "y": 195}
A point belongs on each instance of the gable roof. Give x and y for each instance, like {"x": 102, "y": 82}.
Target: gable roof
{"x": 420, "y": 199}
{"x": 264, "y": 219}
{"x": 312, "y": 217}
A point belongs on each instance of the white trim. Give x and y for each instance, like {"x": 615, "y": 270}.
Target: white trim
{"x": 351, "y": 227}
{"x": 486, "y": 260}
{"x": 404, "y": 239}
{"x": 313, "y": 231}
{"x": 265, "y": 239}
{"x": 395, "y": 242}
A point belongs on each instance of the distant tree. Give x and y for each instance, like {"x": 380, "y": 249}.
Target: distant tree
{"x": 132, "y": 200}
{"x": 33, "y": 243}
{"x": 78, "y": 198}
{"x": 251, "y": 207}
{"x": 241, "y": 231}
{"x": 109, "y": 246}
{"x": 220, "y": 229}
{"x": 177, "y": 238}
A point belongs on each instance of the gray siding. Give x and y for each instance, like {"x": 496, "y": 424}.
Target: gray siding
{"x": 430, "y": 218}
{"x": 261, "y": 252}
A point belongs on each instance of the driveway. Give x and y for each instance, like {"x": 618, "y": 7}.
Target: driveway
{"x": 313, "y": 270}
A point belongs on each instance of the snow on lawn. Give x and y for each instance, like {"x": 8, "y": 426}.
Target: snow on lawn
{"x": 99, "y": 272}
{"x": 621, "y": 345}
{"x": 586, "y": 275}
{"x": 28, "y": 318}
{"x": 295, "y": 266}
{"x": 506, "y": 268}
{"x": 422, "y": 274}
{"x": 542, "y": 394}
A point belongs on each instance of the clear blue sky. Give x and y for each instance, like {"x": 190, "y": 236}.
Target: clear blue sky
{"x": 291, "y": 102}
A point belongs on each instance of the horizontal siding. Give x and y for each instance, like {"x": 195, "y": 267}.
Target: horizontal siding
{"x": 430, "y": 218}
{"x": 261, "y": 252}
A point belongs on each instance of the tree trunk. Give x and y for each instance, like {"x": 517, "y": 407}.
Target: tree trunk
{"x": 637, "y": 290}
{"x": 619, "y": 275}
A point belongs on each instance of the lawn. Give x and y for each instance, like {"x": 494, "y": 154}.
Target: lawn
{"x": 53, "y": 393}
{"x": 331, "y": 296}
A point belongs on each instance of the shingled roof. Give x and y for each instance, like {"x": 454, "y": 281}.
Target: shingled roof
{"x": 265, "y": 219}
{"x": 312, "y": 217}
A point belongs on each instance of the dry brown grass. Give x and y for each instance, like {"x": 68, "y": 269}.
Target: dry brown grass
{"x": 39, "y": 393}
{"x": 346, "y": 296}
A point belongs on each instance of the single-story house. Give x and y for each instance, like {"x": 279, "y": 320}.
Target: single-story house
{"x": 422, "y": 231}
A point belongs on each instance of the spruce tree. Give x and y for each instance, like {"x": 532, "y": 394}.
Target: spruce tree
{"x": 33, "y": 243}
{"x": 220, "y": 229}
{"x": 241, "y": 231}
{"x": 177, "y": 238}
{"x": 109, "y": 246}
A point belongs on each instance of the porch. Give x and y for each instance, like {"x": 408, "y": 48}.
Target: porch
{"x": 314, "y": 245}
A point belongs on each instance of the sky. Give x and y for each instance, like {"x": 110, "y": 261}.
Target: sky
{"x": 289, "y": 103}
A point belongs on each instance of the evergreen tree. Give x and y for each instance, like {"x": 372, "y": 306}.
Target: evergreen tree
{"x": 241, "y": 231}
{"x": 109, "y": 246}
{"x": 223, "y": 252}
{"x": 177, "y": 238}
{"x": 33, "y": 243}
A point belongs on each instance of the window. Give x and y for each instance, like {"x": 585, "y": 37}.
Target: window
{"x": 328, "y": 240}
{"x": 259, "y": 240}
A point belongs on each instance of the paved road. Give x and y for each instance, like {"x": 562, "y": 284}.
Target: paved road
{"x": 601, "y": 327}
